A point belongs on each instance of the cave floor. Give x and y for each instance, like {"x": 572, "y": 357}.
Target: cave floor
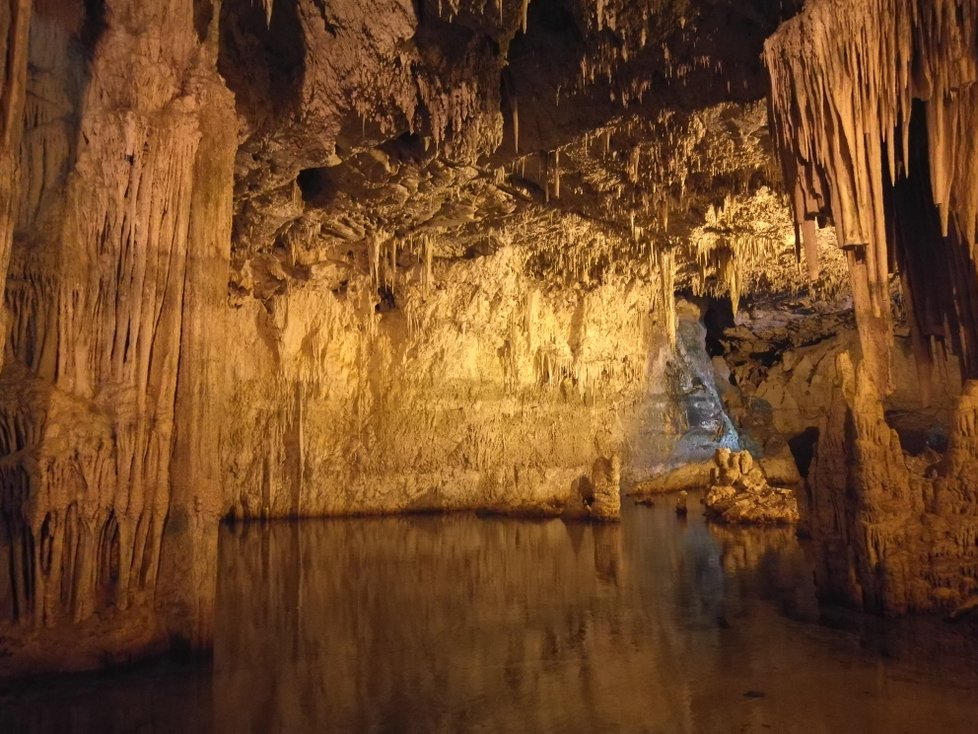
{"x": 457, "y": 623}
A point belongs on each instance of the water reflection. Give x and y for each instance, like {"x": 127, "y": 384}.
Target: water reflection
{"x": 453, "y": 624}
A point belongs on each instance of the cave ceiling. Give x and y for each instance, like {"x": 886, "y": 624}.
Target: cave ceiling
{"x": 596, "y": 137}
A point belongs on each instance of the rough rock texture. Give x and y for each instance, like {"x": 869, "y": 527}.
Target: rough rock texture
{"x": 479, "y": 391}
{"x": 895, "y": 532}
{"x": 776, "y": 373}
{"x": 14, "y": 27}
{"x": 300, "y": 257}
{"x": 108, "y": 494}
{"x": 740, "y": 493}
{"x": 691, "y": 475}
{"x": 872, "y": 101}
{"x": 604, "y": 499}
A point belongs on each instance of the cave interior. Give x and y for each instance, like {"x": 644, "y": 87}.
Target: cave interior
{"x": 292, "y": 259}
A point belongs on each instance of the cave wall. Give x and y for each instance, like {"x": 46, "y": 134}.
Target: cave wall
{"x": 873, "y": 103}
{"x": 147, "y": 390}
{"x": 482, "y": 389}
{"x": 298, "y": 258}
{"x": 14, "y": 29}
{"x": 119, "y": 260}
{"x": 856, "y": 119}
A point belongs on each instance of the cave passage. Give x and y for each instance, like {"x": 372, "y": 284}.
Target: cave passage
{"x": 452, "y": 623}
{"x": 580, "y": 262}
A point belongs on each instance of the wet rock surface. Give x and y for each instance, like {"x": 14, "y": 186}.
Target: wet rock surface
{"x": 300, "y": 258}
{"x": 739, "y": 493}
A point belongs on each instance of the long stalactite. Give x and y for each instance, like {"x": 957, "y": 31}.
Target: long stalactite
{"x": 874, "y": 105}
{"x": 845, "y": 76}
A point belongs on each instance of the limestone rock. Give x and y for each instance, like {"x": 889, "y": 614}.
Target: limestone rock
{"x": 606, "y": 481}
{"x": 739, "y": 493}
{"x": 289, "y": 259}
{"x": 893, "y": 533}
{"x": 685, "y": 477}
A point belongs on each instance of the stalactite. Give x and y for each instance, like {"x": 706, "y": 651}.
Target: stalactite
{"x": 557, "y": 174}
{"x": 665, "y": 262}
{"x": 844, "y": 76}
{"x": 516, "y": 126}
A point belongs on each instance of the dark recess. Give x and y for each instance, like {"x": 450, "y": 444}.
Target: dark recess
{"x": 802, "y": 448}
{"x": 717, "y": 316}
{"x": 317, "y": 186}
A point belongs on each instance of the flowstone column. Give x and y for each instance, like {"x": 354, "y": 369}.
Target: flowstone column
{"x": 118, "y": 269}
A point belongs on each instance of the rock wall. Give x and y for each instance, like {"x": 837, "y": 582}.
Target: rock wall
{"x": 119, "y": 262}
{"x": 894, "y": 532}
{"x": 779, "y": 364}
{"x": 871, "y": 102}
{"x": 14, "y": 29}
{"x": 482, "y": 389}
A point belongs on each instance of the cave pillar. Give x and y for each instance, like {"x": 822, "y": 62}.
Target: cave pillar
{"x": 109, "y": 391}
{"x": 190, "y": 558}
{"x": 862, "y": 499}
{"x": 14, "y": 25}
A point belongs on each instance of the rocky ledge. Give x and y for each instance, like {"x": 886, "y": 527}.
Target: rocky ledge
{"x": 740, "y": 493}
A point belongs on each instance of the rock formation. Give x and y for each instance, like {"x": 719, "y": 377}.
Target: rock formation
{"x": 739, "y": 493}
{"x": 297, "y": 258}
{"x": 123, "y": 233}
{"x": 870, "y": 101}
{"x": 901, "y": 533}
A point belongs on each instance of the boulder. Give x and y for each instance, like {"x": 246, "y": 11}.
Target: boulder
{"x": 740, "y": 493}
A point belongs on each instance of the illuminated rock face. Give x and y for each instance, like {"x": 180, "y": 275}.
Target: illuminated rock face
{"x": 299, "y": 258}
{"x": 895, "y": 532}
{"x": 870, "y": 101}
{"x": 121, "y": 242}
{"x": 305, "y": 258}
{"x": 478, "y": 392}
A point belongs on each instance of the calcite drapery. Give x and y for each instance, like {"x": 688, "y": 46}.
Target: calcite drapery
{"x": 482, "y": 391}
{"x": 845, "y": 76}
{"x": 14, "y": 25}
{"x": 125, "y": 217}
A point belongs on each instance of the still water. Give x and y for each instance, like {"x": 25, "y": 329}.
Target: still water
{"x": 456, "y": 624}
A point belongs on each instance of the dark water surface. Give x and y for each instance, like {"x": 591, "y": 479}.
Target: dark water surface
{"x": 454, "y": 624}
